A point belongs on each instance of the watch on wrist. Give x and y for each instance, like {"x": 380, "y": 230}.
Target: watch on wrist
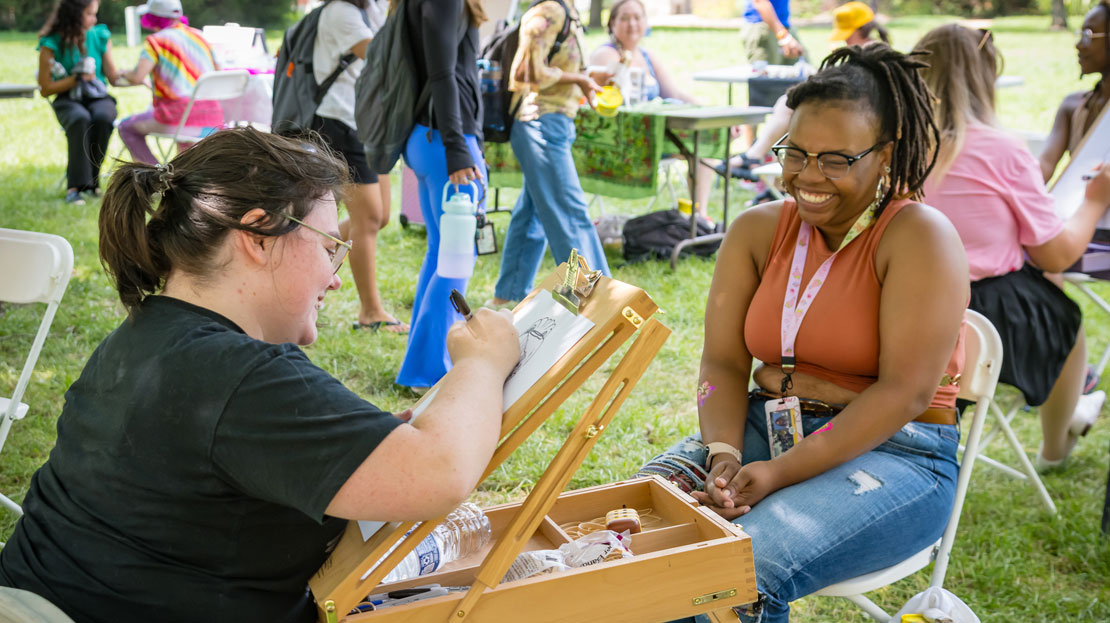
{"x": 782, "y": 34}
{"x": 720, "y": 447}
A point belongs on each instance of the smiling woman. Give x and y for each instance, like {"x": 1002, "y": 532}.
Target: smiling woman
{"x": 204, "y": 467}
{"x": 852, "y": 295}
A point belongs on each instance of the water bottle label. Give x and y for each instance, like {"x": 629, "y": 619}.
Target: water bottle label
{"x": 428, "y": 553}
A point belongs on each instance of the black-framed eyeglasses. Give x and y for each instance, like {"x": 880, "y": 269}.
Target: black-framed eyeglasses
{"x": 831, "y": 164}
{"x": 1087, "y": 34}
{"x": 338, "y": 254}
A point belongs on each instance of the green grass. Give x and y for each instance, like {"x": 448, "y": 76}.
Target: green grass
{"x": 1013, "y": 562}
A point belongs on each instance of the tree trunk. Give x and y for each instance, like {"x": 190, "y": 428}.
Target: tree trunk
{"x": 1059, "y": 15}
{"x": 595, "y": 13}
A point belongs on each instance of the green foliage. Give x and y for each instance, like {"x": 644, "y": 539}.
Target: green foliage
{"x": 30, "y": 15}
{"x": 1012, "y": 562}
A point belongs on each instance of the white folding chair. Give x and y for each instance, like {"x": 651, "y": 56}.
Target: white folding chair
{"x": 36, "y": 270}
{"x": 1028, "y": 472}
{"x": 983, "y": 358}
{"x": 223, "y": 86}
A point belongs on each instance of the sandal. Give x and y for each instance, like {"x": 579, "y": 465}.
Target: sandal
{"x": 375, "y": 326}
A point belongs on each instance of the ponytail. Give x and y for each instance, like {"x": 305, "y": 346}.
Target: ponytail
{"x": 158, "y": 219}
{"x": 134, "y": 261}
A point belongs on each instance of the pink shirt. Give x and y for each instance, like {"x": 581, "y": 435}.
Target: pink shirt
{"x": 995, "y": 196}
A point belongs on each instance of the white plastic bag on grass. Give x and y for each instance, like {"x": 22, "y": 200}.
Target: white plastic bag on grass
{"x": 937, "y": 606}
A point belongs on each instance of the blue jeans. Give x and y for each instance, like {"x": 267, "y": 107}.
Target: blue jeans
{"x": 426, "y": 359}
{"x": 863, "y": 515}
{"x": 551, "y": 208}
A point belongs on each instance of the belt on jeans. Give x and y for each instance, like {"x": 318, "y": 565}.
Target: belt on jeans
{"x": 819, "y": 408}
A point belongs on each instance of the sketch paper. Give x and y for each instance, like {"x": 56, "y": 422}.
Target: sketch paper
{"x": 547, "y": 331}
{"x": 1069, "y": 189}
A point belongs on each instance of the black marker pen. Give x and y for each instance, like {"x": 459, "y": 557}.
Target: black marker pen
{"x": 459, "y": 303}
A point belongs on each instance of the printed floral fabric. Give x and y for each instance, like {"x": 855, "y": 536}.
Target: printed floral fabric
{"x": 536, "y": 80}
{"x": 615, "y": 156}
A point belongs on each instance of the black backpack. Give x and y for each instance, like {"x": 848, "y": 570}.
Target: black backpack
{"x": 497, "y": 110}
{"x": 296, "y": 94}
{"x": 655, "y": 235}
{"x": 386, "y": 93}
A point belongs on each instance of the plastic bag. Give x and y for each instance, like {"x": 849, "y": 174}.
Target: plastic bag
{"x": 937, "y": 605}
{"x": 596, "y": 547}
{"x": 590, "y": 549}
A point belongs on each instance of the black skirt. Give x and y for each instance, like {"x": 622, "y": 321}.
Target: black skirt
{"x": 1038, "y": 324}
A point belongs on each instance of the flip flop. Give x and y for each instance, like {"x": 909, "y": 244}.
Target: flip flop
{"x": 375, "y": 326}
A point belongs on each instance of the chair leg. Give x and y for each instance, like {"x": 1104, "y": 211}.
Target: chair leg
{"x": 1027, "y": 466}
{"x": 1002, "y": 419}
{"x": 869, "y": 607}
{"x": 1002, "y": 467}
{"x": 7, "y": 503}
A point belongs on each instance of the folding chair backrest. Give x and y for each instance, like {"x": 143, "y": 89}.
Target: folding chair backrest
{"x": 218, "y": 85}
{"x": 982, "y": 363}
{"x": 37, "y": 268}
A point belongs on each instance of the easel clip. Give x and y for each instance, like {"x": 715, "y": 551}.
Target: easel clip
{"x": 569, "y": 294}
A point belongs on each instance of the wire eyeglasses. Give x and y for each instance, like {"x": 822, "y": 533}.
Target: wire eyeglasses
{"x": 338, "y": 254}
{"x": 831, "y": 164}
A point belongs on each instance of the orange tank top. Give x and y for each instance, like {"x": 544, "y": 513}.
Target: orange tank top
{"x": 839, "y": 338}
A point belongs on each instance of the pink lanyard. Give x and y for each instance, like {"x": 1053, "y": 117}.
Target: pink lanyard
{"x": 794, "y": 309}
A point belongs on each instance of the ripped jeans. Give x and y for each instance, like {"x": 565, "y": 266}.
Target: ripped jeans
{"x": 861, "y": 516}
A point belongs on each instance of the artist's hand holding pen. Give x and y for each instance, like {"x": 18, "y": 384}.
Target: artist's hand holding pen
{"x": 1098, "y": 184}
{"x": 485, "y": 336}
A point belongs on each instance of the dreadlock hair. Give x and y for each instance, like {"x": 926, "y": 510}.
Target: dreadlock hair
{"x": 888, "y": 83}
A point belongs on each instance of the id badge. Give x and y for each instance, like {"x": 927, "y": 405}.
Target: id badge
{"x": 485, "y": 237}
{"x": 784, "y": 424}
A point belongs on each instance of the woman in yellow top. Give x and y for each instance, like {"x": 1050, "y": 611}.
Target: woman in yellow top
{"x": 548, "y": 78}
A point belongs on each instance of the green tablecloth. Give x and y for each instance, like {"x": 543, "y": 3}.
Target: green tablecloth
{"x": 615, "y": 156}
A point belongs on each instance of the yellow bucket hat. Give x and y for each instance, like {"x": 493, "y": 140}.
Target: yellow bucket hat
{"x": 848, "y": 18}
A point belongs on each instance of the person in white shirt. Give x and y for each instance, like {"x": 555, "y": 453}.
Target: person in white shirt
{"x": 346, "y": 26}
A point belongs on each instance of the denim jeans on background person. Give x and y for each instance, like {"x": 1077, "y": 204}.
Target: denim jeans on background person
{"x": 861, "y": 516}
{"x": 88, "y": 125}
{"x": 551, "y": 208}
{"x": 426, "y": 359}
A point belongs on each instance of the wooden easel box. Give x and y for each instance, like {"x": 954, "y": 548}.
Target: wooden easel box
{"x": 695, "y": 562}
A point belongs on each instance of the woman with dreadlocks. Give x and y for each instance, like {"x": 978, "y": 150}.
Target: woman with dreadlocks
{"x": 990, "y": 187}
{"x": 1079, "y": 110}
{"x": 852, "y": 295}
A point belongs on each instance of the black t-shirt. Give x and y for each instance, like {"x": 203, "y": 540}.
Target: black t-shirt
{"x": 190, "y": 477}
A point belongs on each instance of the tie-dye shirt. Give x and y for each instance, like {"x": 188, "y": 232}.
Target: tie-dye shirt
{"x": 536, "y": 80}
{"x": 180, "y": 56}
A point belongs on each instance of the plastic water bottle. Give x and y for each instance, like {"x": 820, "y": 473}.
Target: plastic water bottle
{"x": 457, "y": 227}
{"x": 465, "y": 531}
